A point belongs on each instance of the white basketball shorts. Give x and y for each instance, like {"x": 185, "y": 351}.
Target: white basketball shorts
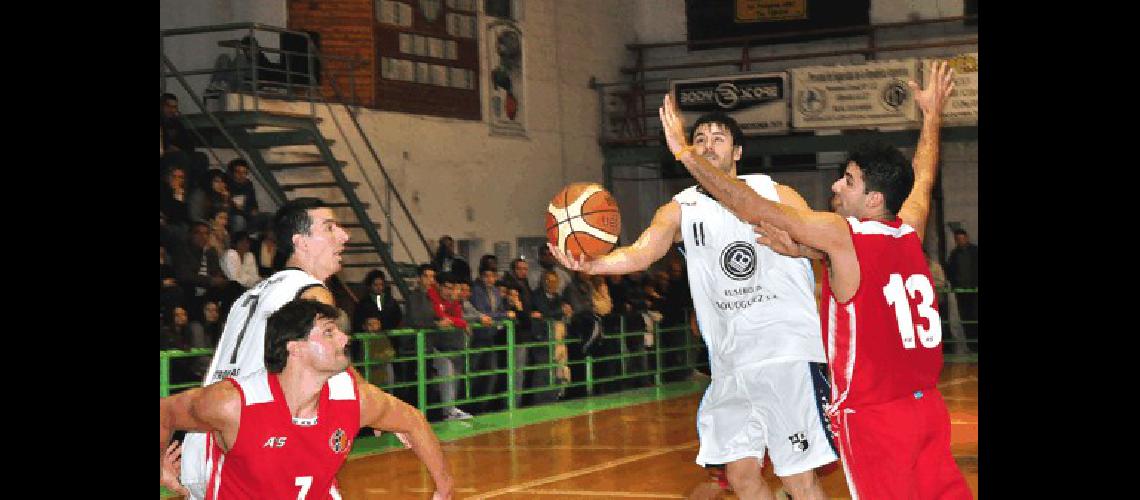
{"x": 778, "y": 407}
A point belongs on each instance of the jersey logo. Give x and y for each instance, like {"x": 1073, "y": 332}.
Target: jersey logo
{"x": 338, "y": 441}
{"x": 738, "y": 260}
{"x": 274, "y": 442}
{"x": 799, "y": 442}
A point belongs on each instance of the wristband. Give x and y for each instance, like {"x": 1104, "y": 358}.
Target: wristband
{"x": 683, "y": 150}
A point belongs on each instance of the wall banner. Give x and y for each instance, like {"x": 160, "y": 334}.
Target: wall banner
{"x": 757, "y": 102}
{"x": 854, "y": 96}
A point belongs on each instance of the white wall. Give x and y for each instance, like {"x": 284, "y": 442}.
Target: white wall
{"x": 444, "y": 167}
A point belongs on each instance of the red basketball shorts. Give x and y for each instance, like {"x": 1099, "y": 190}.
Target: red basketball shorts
{"x": 900, "y": 450}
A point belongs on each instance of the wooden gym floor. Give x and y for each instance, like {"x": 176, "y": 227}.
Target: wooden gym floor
{"x": 639, "y": 451}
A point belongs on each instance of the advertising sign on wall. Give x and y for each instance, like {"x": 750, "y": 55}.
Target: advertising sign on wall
{"x": 854, "y": 96}
{"x": 757, "y": 102}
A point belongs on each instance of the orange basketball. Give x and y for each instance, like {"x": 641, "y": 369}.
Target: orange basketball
{"x": 583, "y": 218}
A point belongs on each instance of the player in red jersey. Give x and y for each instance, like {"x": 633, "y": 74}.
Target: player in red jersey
{"x": 285, "y": 431}
{"x": 881, "y": 327}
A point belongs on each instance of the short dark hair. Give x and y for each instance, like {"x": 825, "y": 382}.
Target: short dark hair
{"x": 293, "y": 218}
{"x": 885, "y": 170}
{"x": 215, "y": 211}
{"x": 960, "y": 231}
{"x": 447, "y": 278}
{"x": 292, "y": 321}
{"x": 486, "y": 267}
{"x": 516, "y": 262}
{"x": 215, "y": 174}
{"x": 371, "y": 276}
{"x": 167, "y": 97}
{"x": 234, "y": 163}
{"x": 723, "y": 119}
{"x": 422, "y": 268}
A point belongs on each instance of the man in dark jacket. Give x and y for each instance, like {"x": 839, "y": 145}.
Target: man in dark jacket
{"x": 962, "y": 272}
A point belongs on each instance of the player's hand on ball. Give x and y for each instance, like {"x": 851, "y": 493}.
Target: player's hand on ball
{"x": 170, "y": 467}
{"x": 777, "y": 239}
{"x": 581, "y": 264}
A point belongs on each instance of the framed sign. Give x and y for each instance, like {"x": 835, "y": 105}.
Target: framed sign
{"x": 854, "y": 96}
{"x": 757, "y": 102}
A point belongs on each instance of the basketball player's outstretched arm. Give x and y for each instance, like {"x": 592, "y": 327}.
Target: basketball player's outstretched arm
{"x": 653, "y": 244}
{"x": 216, "y": 407}
{"x": 825, "y": 231}
{"x": 380, "y": 410}
{"x": 940, "y": 84}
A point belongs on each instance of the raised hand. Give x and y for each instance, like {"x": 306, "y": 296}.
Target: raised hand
{"x": 938, "y": 87}
{"x": 170, "y": 468}
{"x": 673, "y": 125}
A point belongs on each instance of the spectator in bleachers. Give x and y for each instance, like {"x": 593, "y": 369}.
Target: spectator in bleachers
{"x": 175, "y": 334}
{"x": 588, "y": 304}
{"x": 177, "y": 142}
{"x": 379, "y": 349}
{"x": 197, "y": 269}
{"x": 378, "y": 303}
{"x": 530, "y": 328}
{"x": 636, "y": 308}
{"x": 239, "y": 263}
{"x": 489, "y": 260}
{"x": 172, "y": 206}
{"x": 219, "y": 238}
{"x": 555, "y": 312}
{"x": 547, "y": 262}
{"x": 426, "y": 310}
{"x": 205, "y": 331}
{"x": 169, "y": 293}
{"x": 269, "y": 260}
{"x": 446, "y": 260}
{"x": 487, "y": 300}
{"x": 215, "y": 195}
{"x": 245, "y": 215}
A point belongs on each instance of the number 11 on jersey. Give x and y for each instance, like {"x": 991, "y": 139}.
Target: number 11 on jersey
{"x": 900, "y": 296}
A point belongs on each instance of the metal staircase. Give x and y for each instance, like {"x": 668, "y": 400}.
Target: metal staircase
{"x": 291, "y": 136}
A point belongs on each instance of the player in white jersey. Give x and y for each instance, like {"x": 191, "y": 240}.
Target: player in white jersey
{"x": 308, "y": 233}
{"x": 757, "y": 312}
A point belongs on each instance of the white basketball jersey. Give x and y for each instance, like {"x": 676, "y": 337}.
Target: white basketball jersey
{"x": 753, "y": 305}
{"x": 240, "y": 351}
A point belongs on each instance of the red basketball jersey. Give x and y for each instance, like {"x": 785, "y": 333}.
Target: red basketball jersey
{"x": 273, "y": 457}
{"x": 886, "y": 342}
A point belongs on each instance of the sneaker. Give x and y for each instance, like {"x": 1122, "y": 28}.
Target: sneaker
{"x": 457, "y": 414}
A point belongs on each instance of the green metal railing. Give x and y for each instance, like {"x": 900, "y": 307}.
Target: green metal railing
{"x": 686, "y": 349}
{"x": 422, "y": 358}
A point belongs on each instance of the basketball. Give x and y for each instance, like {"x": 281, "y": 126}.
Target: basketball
{"x": 583, "y": 218}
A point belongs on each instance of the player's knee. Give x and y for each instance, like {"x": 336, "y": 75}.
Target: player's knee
{"x": 744, "y": 478}
{"x": 800, "y": 484}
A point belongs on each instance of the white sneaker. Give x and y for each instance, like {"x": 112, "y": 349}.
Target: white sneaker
{"x": 457, "y": 414}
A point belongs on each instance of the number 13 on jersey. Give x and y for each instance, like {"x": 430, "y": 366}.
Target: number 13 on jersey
{"x": 917, "y": 288}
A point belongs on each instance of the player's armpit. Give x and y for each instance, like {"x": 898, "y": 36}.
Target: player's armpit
{"x": 216, "y": 407}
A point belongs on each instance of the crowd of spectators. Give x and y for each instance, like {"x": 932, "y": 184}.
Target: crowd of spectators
{"x": 544, "y": 301}
{"x": 213, "y": 242}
